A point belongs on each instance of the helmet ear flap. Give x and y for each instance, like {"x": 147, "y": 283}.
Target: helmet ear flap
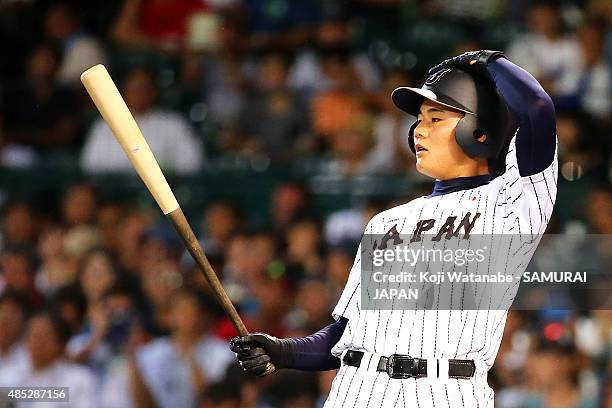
{"x": 467, "y": 132}
{"x": 411, "y": 136}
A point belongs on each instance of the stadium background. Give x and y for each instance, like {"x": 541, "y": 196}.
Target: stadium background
{"x": 273, "y": 123}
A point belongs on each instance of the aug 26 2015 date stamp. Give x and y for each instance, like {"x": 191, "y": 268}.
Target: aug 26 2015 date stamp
{"x": 34, "y": 394}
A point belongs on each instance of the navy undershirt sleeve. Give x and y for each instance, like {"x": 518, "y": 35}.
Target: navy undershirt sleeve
{"x": 534, "y": 112}
{"x": 313, "y": 353}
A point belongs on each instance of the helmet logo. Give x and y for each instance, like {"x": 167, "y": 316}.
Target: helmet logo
{"x": 436, "y": 76}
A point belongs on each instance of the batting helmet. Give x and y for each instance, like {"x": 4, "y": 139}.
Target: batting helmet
{"x": 485, "y": 111}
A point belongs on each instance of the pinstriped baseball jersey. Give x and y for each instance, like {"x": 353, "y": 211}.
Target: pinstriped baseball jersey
{"x": 508, "y": 204}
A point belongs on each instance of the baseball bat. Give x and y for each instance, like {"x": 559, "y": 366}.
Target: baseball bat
{"x": 115, "y": 112}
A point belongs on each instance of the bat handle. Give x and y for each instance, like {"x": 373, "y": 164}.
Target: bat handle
{"x": 270, "y": 367}
{"x": 242, "y": 331}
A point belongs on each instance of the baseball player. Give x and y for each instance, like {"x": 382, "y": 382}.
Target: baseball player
{"x": 485, "y": 131}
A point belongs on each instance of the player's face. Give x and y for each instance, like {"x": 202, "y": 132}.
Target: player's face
{"x": 438, "y": 154}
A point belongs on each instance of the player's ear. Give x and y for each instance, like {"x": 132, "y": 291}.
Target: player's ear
{"x": 480, "y": 136}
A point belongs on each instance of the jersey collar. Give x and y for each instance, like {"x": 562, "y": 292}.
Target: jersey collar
{"x": 461, "y": 183}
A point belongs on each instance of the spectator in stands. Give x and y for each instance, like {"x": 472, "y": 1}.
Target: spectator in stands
{"x": 312, "y": 304}
{"x": 264, "y": 247}
{"x": 18, "y": 265}
{"x": 340, "y": 105}
{"x": 176, "y": 369}
{"x": 55, "y": 268}
{"x": 105, "y": 346}
{"x": 46, "y": 338}
{"x": 280, "y": 24}
{"x": 160, "y": 25}
{"x": 570, "y": 131}
{"x": 19, "y": 226}
{"x": 552, "y": 378}
{"x": 309, "y": 73}
{"x": 603, "y": 9}
{"x": 18, "y": 27}
{"x": 274, "y": 120}
{"x": 593, "y": 337}
{"x": 108, "y": 218}
{"x": 303, "y": 247}
{"x": 239, "y": 272}
{"x": 546, "y": 52}
{"x": 97, "y": 275}
{"x": 221, "y": 395}
{"x": 95, "y": 344}
{"x": 14, "y": 155}
{"x": 273, "y": 296}
{"x": 130, "y": 230}
{"x": 507, "y": 375}
{"x": 338, "y": 263}
{"x": 474, "y": 11}
{"x": 41, "y": 113}
{"x": 598, "y": 210}
{"x": 70, "y": 304}
{"x": 157, "y": 245}
{"x": 221, "y": 219}
{"x": 248, "y": 257}
{"x": 169, "y": 136}
{"x": 582, "y": 144}
{"x": 79, "y": 242}
{"x": 247, "y": 260}
{"x": 291, "y": 389}
{"x": 344, "y": 228}
{"x": 80, "y": 51}
{"x": 290, "y": 201}
{"x": 224, "y": 75}
{"x": 587, "y": 84}
{"x": 352, "y": 150}
{"x": 158, "y": 285}
{"x": 13, "y": 354}
{"x": 79, "y": 204}
{"x": 391, "y": 152}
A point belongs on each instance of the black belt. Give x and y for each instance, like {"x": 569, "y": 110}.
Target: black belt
{"x": 403, "y": 366}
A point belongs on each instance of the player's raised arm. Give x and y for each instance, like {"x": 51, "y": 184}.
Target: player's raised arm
{"x": 530, "y": 104}
{"x": 535, "y": 112}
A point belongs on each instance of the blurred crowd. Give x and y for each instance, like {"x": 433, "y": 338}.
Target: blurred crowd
{"x": 280, "y": 81}
{"x": 98, "y": 294}
{"x": 101, "y": 297}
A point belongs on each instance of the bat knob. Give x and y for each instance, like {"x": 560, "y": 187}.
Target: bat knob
{"x": 269, "y": 369}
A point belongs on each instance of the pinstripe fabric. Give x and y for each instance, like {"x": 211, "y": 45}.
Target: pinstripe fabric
{"x": 509, "y": 204}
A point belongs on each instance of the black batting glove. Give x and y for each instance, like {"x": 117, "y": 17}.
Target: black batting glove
{"x": 473, "y": 62}
{"x": 255, "y": 351}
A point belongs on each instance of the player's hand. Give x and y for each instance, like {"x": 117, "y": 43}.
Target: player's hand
{"x": 474, "y": 62}
{"x": 255, "y": 351}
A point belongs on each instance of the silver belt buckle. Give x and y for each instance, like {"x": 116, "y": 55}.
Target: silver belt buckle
{"x": 401, "y": 360}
